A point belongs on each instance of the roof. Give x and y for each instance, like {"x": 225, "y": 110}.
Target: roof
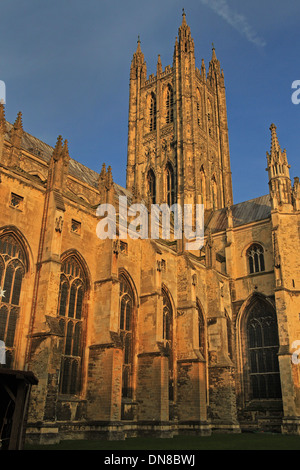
{"x": 242, "y": 213}
{"x": 44, "y": 151}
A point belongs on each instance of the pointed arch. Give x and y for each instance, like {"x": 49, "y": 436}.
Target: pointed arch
{"x": 170, "y": 184}
{"x": 77, "y": 256}
{"x": 169, "y": 104}
{"x": 151, "y": 179}
{"x": 152, "y": 113}
{"x": 210, "y": 118}
{"x": 13, "y": 231}
{"x": 125, "y": 274}
{"x": 127, "y": 328}
{"x": 258, "y": 344}
{"x": 201, "y": 321}
{"x": 72, "y": 312}
{"x": 14, "y": 264}
{"x": 199, "y": 107}
{"x": 255, "y": 258}
{"x": 168, "y": 336}
{"x": 214, "y": 192}
{"x": 203, "y": 185}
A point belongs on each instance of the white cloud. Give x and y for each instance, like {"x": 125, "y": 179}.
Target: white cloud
{"x": 236, "y": 20}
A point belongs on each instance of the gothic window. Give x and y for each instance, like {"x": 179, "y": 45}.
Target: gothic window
{"x": 70, "y": 310}
{"x": 152, "y": 113}
{"x": 262, "y": 349}
{"x": 201, "y": 332}
{"x": 12, "y": 271}
{"x": 126, "y": 331}
{"x": 167, "y": 335}
{"x": 202, "y": 185}
{"x": 198, "y": 107}
{"x": 151, "y": 186}
{"x": 170, "y": 185}
{"x": 255, "y": 256}
{"x": 214, "y": 193}
{"x": 229, "y": 335}
{"x": 210, "y": 117}
{"x": 169, "y": 105}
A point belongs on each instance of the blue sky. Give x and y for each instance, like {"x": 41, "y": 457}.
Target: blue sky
{"x": 66, "y": 67}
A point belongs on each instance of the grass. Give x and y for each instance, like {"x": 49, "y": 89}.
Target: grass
{"x": 255, "y": 441}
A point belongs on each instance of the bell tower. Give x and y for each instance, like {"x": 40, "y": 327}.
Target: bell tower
{"x": 178, "y": 149}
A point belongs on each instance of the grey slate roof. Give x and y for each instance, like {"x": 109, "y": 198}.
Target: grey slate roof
{"x": 242, "y": 213}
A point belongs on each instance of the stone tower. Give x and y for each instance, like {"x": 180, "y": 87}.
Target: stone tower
{"x": 178, "y": 148}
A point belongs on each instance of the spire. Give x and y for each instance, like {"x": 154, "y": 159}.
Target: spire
{"x": 214, "y": 65}
{"x": 18, "y": 122}
{"x": 15, "y": 140}
{"x": 203, "y": 70}
{"x": 106, "y": 185}
{"x": 159, "y": 66}
{"x": 138, "y": 61}
{"x": 275, "y": 147}
{"x": 186, "y": 43}
{"x": 59, "y": 164}
{"x": 138, "y": 56}
{"x": 138, "y": 49}
{"x": 183, "y": 18}
{"x": 214, "y": 57}
{"x": 57, "y": 149}
{"x": 65, "y": 153}
{"x": 278, "y": 170}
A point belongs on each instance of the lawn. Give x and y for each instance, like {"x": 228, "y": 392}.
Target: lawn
{"x": 253, "y": 441}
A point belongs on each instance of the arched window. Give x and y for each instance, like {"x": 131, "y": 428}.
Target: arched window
{"x": 126, "y": 331}
{"x": 199, "y": 110}
{"x": 167, "y": 335}
{"x": 201, "y": 332}
{"x": 255, "y": 256}
{"x": 262, "y": 349}
{"x": 169, "y": 105}
{"x": 12, "y": 271}
{"x": 170, "y": 185}
{"x": 202, "y": 185}
{"x": 152, "y": 113}
{"x": 73, "y": 287}
{"x": 214, "y": 191}
{"x": 152, "y": 186}
{"x": 229, "y": 335}
{"x": 210, "y": 119}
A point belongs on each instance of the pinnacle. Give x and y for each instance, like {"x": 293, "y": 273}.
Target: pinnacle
{"x": 58, "y": 147}
{"x": 274, "y": 139}
{"x": 18, "y": 122}
{"x": 65, "y": 150}
{"x": 214, "y": 57}
{"x": 2, "y": 117}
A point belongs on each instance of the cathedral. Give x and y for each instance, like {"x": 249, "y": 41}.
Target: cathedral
{"x": 138, "y": 336}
